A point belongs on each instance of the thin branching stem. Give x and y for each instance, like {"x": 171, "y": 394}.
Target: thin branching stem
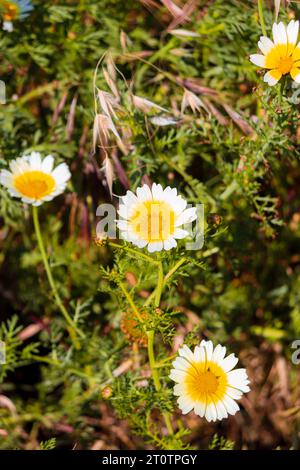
{"x": 59, "y": 303}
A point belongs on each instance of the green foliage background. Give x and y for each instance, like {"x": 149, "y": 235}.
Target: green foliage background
{"x": 242, "y": 287}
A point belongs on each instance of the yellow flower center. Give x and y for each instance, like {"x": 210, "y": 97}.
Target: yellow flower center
{"x": 285, "y": 65}
{"x": 206, "y": 382}
{"x": 34, "y": 184}
{"x": 281, "y": 58}
{"x": 153, "y": 221}
{"x": 11, "y": 11}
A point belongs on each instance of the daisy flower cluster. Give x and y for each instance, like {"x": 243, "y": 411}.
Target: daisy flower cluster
{"x": 280, "y": 56}
{"x": 14, "y": 10}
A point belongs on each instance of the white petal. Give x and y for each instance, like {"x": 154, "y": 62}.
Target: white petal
{"x": 229, "y": 362}
{"x": 177, "y": 375}
{"x": 185, "y": 352}
{"x": 179, "y": 204}
{"x": 200, "y": 409}
{"x": 155, "y": 246}
{"x": 122, "y": 224}
{"x": 211, "y": 412}
{"x": 181, "y": 364}
{"x": 47, "y": 164}
{"x": 199, "y": 354}
{"x": 129, "y": 198}
{"x": 221, "y": 410}
{"x": 218, "y": 354}
{"x": 269, "y": 79}
{"x": 234, "y": 393}
{"x": 144, "y": 193}
{"x": 19, "y": 166}
{"x": 6, "y": 178}
{"x": 170, "y": 243}
{"x": 123, "y": 211}
{"x": 179, "y": 233}
{"x": 141, "y": 243}
{"x": 34, "y": 203}
{"x": 170, "y": 193}
{"x": 61, "y": 173}
{"x": 297, "y": 78}
{"x": 13, "y": 192}
{"x": 157, "y": 192}
{"x": 258, "y": 59}
{"x": 208, "y": 347}
{"x": 188, "y": 215}
{"x": 179, "y": 389}
{"x": 279, "y": 33}
{"x": 292, "y": 31}
{"x": 265, "y": 44}
{"x": 238, "y": 379}
{"x": 8, "y": 26}
{"x": 35, "y": 161}
{"x": 185, "y": 404}
{"x": 28, "y": 200}
{"x": 231, "y": 406}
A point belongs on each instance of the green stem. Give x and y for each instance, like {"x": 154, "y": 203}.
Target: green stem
{"x": 261, "y": 16}
{"x": 56, "y": 296}
{"x": 282, "y": 88}
{"x": 152, "y": 363}
{"x": 160, "y": 283}
{"x": 174, "y": 269}
{"x": 130, "y": 301}
{"x": 132, "y": 251}
{"x": 166, "y": 278}
{"x": 155, "y": 376}
{"x": 150, "y": 334}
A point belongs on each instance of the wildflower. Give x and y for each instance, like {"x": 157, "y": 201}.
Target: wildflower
{"x": 14, "y": 10}
{"x": 206, "y": 382}
{"x": 153, "y": 216}
{"x": 34, "y": 180}
{"x": 281, "y": 56}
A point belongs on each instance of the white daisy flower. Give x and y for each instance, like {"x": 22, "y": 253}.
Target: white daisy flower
{"x": 34, "y": 180}
{"x": 282, "y": 55}
{"x": 153, "y": 217}
{"x": 206, "y": 382}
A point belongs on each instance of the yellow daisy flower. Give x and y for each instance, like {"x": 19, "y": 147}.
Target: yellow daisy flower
{"x": 206, "y": 382}
{"x": 34, "y": 180}
{"x": 282, "y": 55}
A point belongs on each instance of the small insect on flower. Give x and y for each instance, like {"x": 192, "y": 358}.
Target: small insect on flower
{"x": 14, "y": 10}
{"x": 34, "y": 180}
{"x": 206, "y": 382}
{"x": 281, "y": 56}
{"x": 153, "y": 216}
